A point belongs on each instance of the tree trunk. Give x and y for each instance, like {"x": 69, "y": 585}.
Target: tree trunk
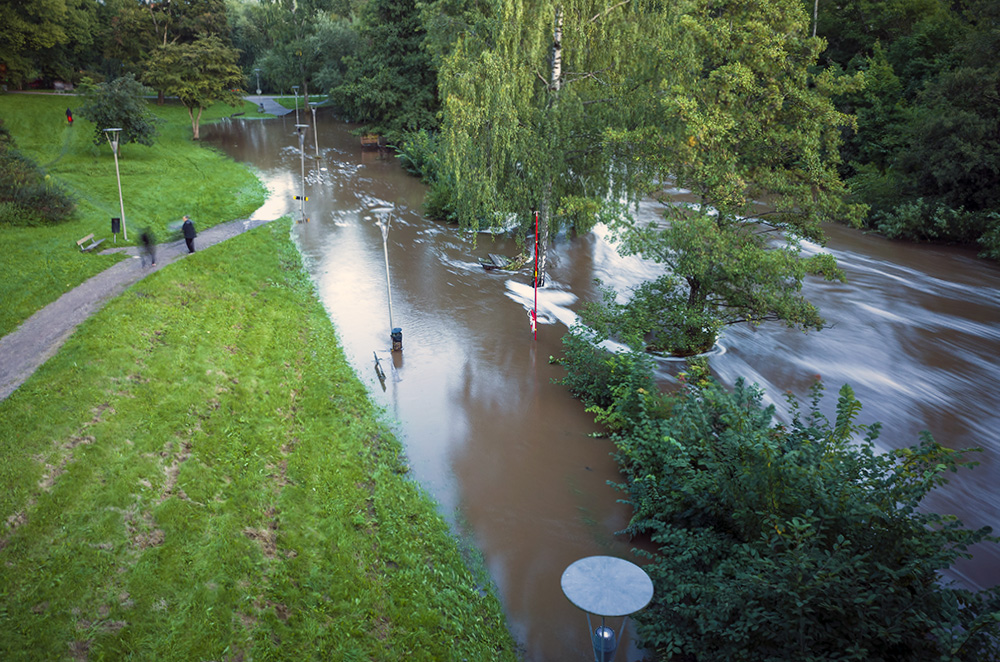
{"x": 195, "y": 122}
{"x": 555, "y": 84}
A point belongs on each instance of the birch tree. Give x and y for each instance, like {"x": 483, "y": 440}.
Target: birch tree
{"x": 526, "y": 106}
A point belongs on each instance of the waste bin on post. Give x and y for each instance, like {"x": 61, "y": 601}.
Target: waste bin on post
{"x": 397, "y": 339}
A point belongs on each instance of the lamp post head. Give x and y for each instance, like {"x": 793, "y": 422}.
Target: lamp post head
{"x": 112, "y": 135}
{"x": 606, "y": 586}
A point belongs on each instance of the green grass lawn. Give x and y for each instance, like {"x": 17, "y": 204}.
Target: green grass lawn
{"x": 159, "y": 185}
{"x": 198, "y": 475}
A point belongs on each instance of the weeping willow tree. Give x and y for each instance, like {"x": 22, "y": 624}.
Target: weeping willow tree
{"x": 527, "y": 101}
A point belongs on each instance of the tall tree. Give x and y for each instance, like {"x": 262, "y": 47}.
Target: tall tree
{"x": 739, "y": 120}
{"x": 199, "y": 74}
{"x": 120, "y": 103}
{"x": 527, "y": 103}
{"x": 29, "y": 26}
{"x": 390, "y": 84}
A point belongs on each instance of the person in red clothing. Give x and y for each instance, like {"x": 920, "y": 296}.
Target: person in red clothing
{"x": 69, "y": 116}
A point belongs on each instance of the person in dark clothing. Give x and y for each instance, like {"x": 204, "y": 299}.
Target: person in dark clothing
{"x": 189, "y": 234}
{"x": 148, "y": 246}
{"x": 69, "y": 116}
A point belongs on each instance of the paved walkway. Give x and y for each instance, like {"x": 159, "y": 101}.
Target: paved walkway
{"x": 41, "y": 335}
{"x": 270, "y": 105}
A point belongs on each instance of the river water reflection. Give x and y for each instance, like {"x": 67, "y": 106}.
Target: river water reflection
{"x": 508, "y": 454}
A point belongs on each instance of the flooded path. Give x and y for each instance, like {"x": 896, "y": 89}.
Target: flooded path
{"x": 508, "y": 454}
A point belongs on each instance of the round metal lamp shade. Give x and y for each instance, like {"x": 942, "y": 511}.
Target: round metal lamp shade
{"x": 607, "y": 586}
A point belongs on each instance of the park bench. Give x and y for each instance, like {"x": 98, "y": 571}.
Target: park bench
{"x": 93, "y": 243}
{"x": 371, "y": 140}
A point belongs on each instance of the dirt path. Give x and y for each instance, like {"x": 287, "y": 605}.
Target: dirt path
{"x": 41, "y": 335}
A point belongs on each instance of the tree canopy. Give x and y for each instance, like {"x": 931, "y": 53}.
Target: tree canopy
{"x": 119, "y": 104}
{"x": 199, "y": 74}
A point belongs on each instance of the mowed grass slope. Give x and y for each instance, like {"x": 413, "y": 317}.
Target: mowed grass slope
{"x": 198, "y": 475}
{"x": 160, "y": 184}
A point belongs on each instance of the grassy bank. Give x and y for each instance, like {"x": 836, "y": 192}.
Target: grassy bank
{"x": 199, "y": 475}
{"x": 159, "y": 185}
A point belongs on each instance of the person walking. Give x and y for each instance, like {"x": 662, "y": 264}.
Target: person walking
{"x": 189, "y": 234}
{"x": 148, "y": 246}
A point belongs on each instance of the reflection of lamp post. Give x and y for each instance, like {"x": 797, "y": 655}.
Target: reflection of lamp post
{"x": 384, "y": 219}
{"x": 315, "y": 130}
{"x": 301, "y": 128}
{"x": 257, "y": 71}
{"x": 295, "y": 88}
{"x": 606, "y": 586}
{"x": 114, "y": 148}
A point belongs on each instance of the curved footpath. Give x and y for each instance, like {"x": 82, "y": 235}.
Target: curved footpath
{"x": 41, "y": 335}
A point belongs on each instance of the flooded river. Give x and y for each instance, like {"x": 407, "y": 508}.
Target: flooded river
{"x": 509, "y": 454}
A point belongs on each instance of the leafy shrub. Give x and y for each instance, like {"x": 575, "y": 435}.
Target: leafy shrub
{"x": 920, "y": 221}
{"x": 784, "y": 542}
{"x": 989, "y": 241}
{"x": 28, "y": 196}
{"x": 119, "y": 104}
{"x": 418, "y": 155}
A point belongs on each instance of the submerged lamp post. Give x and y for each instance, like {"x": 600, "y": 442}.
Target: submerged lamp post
{"x": 112, "y": 135}
{"x": 606, "y": 586}
{"x": 301, "y": 128}
{"x": 384, "y": 219}
{"x": 315, "y": 130}
{"x": 295, "y": 88}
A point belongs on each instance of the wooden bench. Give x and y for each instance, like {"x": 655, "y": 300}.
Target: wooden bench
{"x": 90, "y": 238}
{"x": 371, "y": 140}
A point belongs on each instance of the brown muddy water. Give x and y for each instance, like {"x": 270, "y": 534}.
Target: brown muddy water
{"x": 508, "y": 453}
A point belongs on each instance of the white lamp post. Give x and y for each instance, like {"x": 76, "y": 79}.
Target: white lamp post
{"x": 384, "y": 219}
{"x": 606, "y": 586}
{"x": 301, "y": 128}
{"x": 315, "y": 130}
{"x": 113, "y": 141}
{"x": 257, "y": 71}
{"x": 295, "y": 88}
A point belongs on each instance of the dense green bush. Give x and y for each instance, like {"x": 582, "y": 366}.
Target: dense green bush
{"x": 784, "y": 542}
{"x": 27, "y": 195}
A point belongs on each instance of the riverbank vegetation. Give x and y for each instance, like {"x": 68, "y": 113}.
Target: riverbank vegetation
{"x": 160, "y": 183}
{"x": 783, "y": 541}
{"x": 922, "y": 155}
{"x": 199, "y": 475}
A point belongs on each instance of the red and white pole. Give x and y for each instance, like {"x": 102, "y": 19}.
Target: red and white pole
{"x": 534, "y": 313}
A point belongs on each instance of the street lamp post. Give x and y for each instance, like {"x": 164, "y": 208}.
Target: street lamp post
{"x": 315, "y": 130}
{"x": 301, "y": 128}
{"x": 295, "y": 88}
{"x": 607, "y": 587}
{"x": 114, "y": 148}
{"x": 384, "y": 219}
{"x": 257, "y": 71}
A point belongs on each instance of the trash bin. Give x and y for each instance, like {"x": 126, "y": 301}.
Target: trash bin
{"x": 397, "y": 339}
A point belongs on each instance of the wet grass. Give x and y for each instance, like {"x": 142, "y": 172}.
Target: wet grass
{"x": 159, "y": 185}
{"x": 199, "y": 475}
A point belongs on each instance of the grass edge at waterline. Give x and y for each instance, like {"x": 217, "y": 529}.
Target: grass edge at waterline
{"x": 198, "y": 474}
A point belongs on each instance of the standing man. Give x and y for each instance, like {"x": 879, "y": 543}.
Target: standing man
{"x": 148, "y": 247}
{"x": 189, "y": 233}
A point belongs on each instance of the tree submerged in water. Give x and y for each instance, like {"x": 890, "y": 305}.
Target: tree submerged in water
{"x": 740, "y": 120}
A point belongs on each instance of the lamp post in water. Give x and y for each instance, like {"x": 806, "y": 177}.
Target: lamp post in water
{"x": 295, "y": 89}
{"x": 113, "y": 141}
{"x": 384, "y": 219}
{"x": 301, "y": 128}
{"x": 315, "y": 130}
{"x": 606, "y": 586}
